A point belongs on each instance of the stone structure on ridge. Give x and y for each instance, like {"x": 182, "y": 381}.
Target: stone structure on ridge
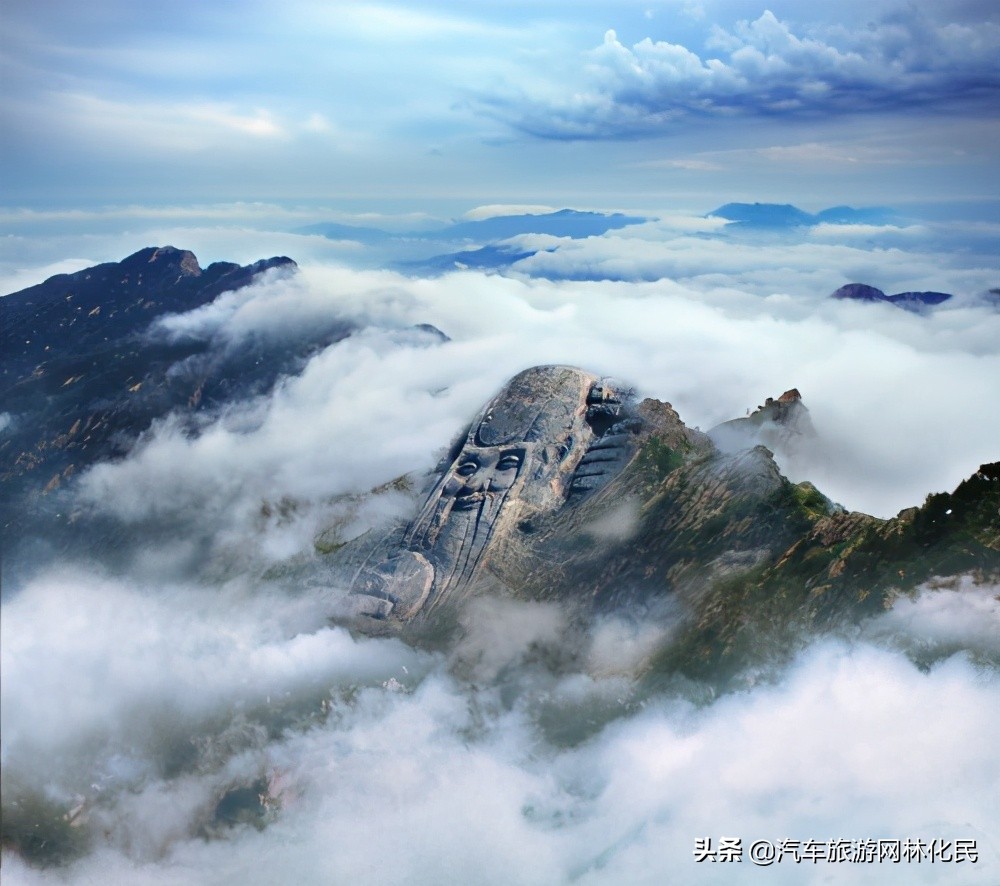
{"x": 552, "y": 434}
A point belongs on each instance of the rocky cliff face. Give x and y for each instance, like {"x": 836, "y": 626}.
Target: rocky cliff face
{"x": 667, "y": 522}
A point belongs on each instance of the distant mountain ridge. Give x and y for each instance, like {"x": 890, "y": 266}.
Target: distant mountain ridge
{"x": 784, "y": 215}
{"x": 486, "y": 258}
{"x": 561, "y": 223}
{"x": 481, "y": 243}
{"x": 910, "y": 301}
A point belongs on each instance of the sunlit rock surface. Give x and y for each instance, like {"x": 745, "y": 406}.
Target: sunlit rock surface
{"x": 552, "y": 432}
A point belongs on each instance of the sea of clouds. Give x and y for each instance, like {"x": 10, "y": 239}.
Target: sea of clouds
{"x": 136, "y": 697}
{"x": 137, "y": 709}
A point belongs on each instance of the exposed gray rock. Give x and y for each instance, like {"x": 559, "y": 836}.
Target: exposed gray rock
{"x": 552, "y": 431}
{"x": 566, "y": 490}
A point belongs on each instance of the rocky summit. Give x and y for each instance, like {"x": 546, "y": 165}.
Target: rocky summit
{"x": 86, "y": 367}
{"x": 103, "y": 304}
{"x": 566, "y": 489}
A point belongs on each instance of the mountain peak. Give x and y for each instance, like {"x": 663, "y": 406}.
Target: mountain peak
{"x": 785, "y": 215}
{"x": 184, "y": 258}
{"x": 910, "y": 301}
{"x": 859, "y": 292}
{"x": 166, "y": 258}
{"x": 781, "y": 424}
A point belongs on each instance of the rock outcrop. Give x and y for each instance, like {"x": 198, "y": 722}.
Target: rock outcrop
{"x": 552, "y": 435}
{"x": 781, "y": 424}
{"x": 565, "y": 489}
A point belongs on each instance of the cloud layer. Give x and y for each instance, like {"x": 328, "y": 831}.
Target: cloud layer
{"x": 765, "y": 70}
{"x": 385, "y": 766}
{"x": 140, "y": 704}
{"x": 712, "y": 324}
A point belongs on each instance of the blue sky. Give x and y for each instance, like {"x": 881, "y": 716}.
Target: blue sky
{"x": 682, "y": 103}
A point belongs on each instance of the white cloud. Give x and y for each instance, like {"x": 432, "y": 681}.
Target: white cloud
{"x": 498, "y": 634}
{"x": 180, "y": 126}
{"x": 648, "y": 88}
{"x": 938, "y": 621}
{"x": 317, "y": 123}
{"x": 569, "y": 778}
{"x": 166, "y": 125}
{"x": 144, "y": 700}
{"x": 622, "y": 646}
{"x": 824, "y": 153}
{"x": 848, "y": 232}
{"x": 390, "y": 23}
{"x": 244, "y": 212}
{"x": 692, "y": 164}
{"x": 101, "y": 675}
{"x": 763, "y": 265}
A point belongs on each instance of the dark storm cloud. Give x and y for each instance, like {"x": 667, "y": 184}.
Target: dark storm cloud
{"x": 763, "y": 69}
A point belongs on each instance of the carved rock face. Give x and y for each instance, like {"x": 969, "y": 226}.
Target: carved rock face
{"x": 518, "y": 461}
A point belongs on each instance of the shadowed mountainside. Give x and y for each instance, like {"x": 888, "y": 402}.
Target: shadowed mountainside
{"x": 86, "y": 370}
{"x": 82, "y": 375}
